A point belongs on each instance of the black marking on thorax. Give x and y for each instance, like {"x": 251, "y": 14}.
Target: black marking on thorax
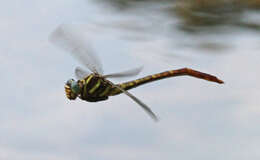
{"x": 94, "y": 85}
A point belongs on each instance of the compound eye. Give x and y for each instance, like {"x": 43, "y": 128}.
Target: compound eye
{"x": 75, "y": 87}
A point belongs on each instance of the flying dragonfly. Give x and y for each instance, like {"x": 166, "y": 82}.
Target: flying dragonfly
{"x": 93, "y": 85}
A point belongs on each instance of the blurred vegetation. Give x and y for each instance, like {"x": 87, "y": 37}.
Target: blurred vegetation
{"x": 202, "y": 4}
{"x": 217, "y": 17}
{"x": 215, "y": 12}
{"x": 194, "y": 14}
{"x": 127, "y": 4}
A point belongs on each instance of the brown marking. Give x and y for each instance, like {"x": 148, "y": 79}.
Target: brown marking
{"x": 165, "y": 74}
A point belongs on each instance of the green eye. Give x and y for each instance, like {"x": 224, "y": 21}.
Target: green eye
{"x": 75, "y": 87}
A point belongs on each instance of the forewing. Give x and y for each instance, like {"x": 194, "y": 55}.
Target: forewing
{"x": 81, "y": 73}
{"x": 124, "y": 74}
{"x": 74, "y": 42}
{"x": 144, "y": 106}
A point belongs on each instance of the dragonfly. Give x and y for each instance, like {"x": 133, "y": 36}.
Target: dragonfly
{"x": 92, "y": 85}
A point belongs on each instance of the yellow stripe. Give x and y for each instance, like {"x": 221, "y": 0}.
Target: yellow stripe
{"x": 130, "y": 84}
{"x": 154, "y": 76}
{"x": 92, "y": 90}
{"x": 89, "y": 78}
{"x": 105, "y": 92}
{"x": 85, "y": 86}
{"x": 123, "y": 85}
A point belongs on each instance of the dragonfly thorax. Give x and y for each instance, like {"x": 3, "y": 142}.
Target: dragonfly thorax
{"x": 94, "y": 88}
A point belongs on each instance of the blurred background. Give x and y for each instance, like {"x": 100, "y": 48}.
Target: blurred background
{"x": 198, "y": 119}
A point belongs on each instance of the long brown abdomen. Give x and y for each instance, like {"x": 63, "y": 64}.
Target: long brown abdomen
{"x": 166, "y": 74}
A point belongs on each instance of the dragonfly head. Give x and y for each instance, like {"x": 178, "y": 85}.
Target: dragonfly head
{"x": 72, "y": 89}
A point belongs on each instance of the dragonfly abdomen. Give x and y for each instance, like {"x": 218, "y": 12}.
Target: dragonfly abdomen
{"x": 167, "y": 74}
{"x": 132, "y": 84}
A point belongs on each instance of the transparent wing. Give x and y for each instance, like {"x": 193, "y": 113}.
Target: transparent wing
{"x": 81, "y": 73}
{"x": 124, "y": 74}
{"x": 74, "y": 42}
{"x": 144, "y": 106}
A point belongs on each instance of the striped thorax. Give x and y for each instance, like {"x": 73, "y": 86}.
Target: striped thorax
{"x": 93, "y": 88}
